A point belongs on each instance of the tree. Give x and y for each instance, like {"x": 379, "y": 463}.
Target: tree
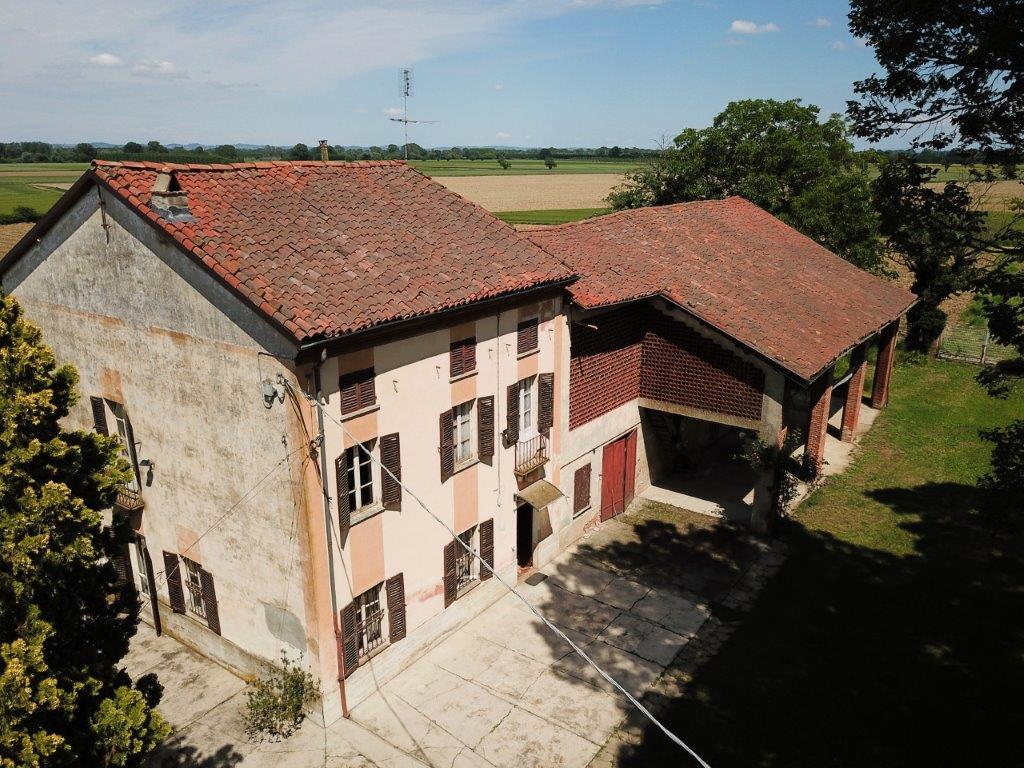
{"x": 84, "y": 152}
{"x": 549, "y": 162}
{"x": 952, "y": 73}
{"x": 299, "y": 152}
{"x": 65, "y": 621}
{"x": 133, "y": 148}
{"x": 226, "y": 150}
{"x": 780, "y": 157}
{"x": 503, "y": 162}
{"x": 156, "y": 146}
{"x": 937, "y": 234}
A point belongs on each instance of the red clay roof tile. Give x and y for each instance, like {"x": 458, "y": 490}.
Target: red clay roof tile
{"x": 737, "y": 268}
{"x": 331, "y": 248}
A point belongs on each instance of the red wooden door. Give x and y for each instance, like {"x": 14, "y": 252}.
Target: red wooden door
{"x": 617, "y": 475}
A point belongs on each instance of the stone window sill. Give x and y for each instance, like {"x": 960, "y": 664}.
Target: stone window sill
{"x": 365, "y": 513}
{"x": 527, "y": 353}
{"x": 461, "y": 376}
{"x": 361, "y": 412}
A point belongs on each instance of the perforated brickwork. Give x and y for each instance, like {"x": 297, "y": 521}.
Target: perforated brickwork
{"x": 637, "y": 351}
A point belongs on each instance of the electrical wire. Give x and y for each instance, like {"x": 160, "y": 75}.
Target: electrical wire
{"x": 636, "y": 703}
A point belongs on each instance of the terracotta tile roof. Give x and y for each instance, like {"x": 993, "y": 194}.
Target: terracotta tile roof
{"x": 736, "y": 267}
{"x": 329, "y": 248}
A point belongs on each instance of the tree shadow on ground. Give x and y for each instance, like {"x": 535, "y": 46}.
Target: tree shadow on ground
{"x": 176, "y": 752}
{"x": 858, "y": 657}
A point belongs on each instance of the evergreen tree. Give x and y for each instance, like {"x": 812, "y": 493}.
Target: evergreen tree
{"x": 65, "y": 621}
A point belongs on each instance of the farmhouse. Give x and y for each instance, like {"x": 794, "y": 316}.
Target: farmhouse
{"x": 293, "y": 355}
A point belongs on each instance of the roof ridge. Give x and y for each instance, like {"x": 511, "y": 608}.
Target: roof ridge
{"x": 603, "y": 218}
{"x": 151, "y": 165}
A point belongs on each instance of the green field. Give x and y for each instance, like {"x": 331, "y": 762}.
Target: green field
{"x": 893, "y": 636}
{"x": 518, "y": 167}
{"x": 19, "y": 191}
{"x": 550, "y": 217}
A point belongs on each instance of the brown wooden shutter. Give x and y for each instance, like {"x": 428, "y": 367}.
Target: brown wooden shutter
{"x": 526, "y": 338}
{"x": 209, "y": 600}
{"x": 99, "y": 415}
{"x": 357, "y": 390}
{"x": 349, "y": 649}
{"x": 447, "y": 449}
{"x": 546, "y": 406}
{"x": 122, "y": 563}
{"x": 512, "y": 415}
{"x": 172, "y": 572}
{"x": 151, "y": 575}
{"x": 449, "y": 572}
{"x": 469, "y": 355}
{"x": 391, "y": 459}
{"x": 342, "y": 501}
{"x": 486, "y": 547}
{"x": 455, "y": 358}
{"x": 347, "y": 387}
{"x": 367, "y": 389}
{"x": 396, "y": 608}
{"x": 581, "y": 489}
{"x": 485, "y": 428}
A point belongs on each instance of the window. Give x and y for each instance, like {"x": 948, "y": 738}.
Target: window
{"x": 467, "y": 564}
{"x": 124, "y": 436}
{"x": 360, "y": 476}
{"x": 526, "y": 339}
{"x": 357, "y": 390}
{"x": 195, "y": 587}
{"x": 371, "y": 632}
{"x": 526, "y": 401}
{"x": 140, "y": 559}
{"x": 581, "y": 490}
{"x": 463, "y": 356}
{"x": 462, "y": 432}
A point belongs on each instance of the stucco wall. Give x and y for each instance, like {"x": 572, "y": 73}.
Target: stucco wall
{"x": 136, "y": 319}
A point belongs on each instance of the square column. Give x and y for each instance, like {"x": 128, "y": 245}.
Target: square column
{"x": 817, "y": 424}
{"x": 854, "y": 392}
{"x": 883, "y": 368}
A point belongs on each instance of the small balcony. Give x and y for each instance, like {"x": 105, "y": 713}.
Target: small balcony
{"x": 129, "y": 499}
{"x": 531, "y": 454}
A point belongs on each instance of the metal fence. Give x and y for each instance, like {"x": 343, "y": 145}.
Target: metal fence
{"x": 972, "y": 344}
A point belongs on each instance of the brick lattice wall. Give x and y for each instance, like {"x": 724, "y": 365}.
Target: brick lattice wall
{"x": 637, "y": 351}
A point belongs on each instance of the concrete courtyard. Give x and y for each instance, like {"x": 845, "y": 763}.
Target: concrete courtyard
{"x": 502, "y": 690}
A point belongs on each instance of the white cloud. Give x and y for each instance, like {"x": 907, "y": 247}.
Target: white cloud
{"x": 498, "y": 86}
{"x": 821, "y": 22}
{"x": 502, "y": 135}
{"x": 393, "y": 111}
{"x": 156, "y": 68}
{"x": 742, "y": 27}
{"x": 837, "y": 45}
{"x": 106, "y": 60}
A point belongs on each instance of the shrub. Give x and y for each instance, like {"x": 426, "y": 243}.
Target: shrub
{"x": 549, "y": 162}
{"x": 276, "y": 702}
{"x": 1006, "y": 480}
{"x": 504, "y": 163}
{"x": 787, "y": 472}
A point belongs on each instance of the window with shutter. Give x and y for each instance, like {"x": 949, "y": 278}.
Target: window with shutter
{"x": 581, "y": 490}
{"x": 526, "y": 338}
{"x": 209, "y": 597}
{"x": 371, "y": 622}
{"x": 194, "y": 587}
{"x": 349, "y": 646}
{"x": 487, "y": 547}
{"x": 172, "y": 574}
{"x": 450, "y": 591}
{"x": 462, "y": 356}
{"x": 512, "y": 414}
{"x": 357, "y": 390}
{"x": 391, "y": 459}
{"x": 485, "y": 428}
{"x": 342, "y": 500}
{"x": 447, "y": 446}
{"x": 546, "y": 404}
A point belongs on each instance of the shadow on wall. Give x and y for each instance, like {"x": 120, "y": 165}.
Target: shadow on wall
{"x": 854, "y": 656}
{"x": 176, "y": 753}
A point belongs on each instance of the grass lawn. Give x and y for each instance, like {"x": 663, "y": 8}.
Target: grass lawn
{"x": 894, "y": 633}
{"x": 550, "y": 217}
{"x": 19, "y": 190}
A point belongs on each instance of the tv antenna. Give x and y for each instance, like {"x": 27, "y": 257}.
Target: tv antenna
{"x": 404, "y": 119}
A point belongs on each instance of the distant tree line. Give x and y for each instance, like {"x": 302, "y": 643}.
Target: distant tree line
{"x": 42, "y": 152}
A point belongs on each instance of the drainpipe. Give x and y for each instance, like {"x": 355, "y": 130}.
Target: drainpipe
{"x": 327, "y": 525}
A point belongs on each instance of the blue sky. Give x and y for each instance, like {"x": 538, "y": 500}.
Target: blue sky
{"x": 513, "y": 72}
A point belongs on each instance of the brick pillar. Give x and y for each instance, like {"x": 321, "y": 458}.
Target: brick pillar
{"x": 883, "y": 368}
{"x": 817, "y": 424}
{"x": 854, "y": 392}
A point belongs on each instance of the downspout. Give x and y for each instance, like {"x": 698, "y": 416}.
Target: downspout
{"x": 330, "y": 548}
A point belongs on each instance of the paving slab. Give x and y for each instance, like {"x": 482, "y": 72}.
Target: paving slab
{"x": 643, "y": 638}
{"x": 672, "y": 611}
{"x": 523, "y": 739}
{"x": 623, "y": 593}
{"x": 575, "y": 704}
{"x": 511, "y": 674}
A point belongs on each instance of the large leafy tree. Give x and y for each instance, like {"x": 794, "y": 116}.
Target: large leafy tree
{"x": 951, "y": 73}
{"x": 65, "y": 621}
{"x": 779, "y": 155}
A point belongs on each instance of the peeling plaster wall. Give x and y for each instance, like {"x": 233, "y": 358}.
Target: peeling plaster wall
{"x": 135, "y": 318}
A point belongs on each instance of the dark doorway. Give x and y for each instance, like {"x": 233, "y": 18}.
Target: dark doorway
{"x": 524, "y": 535}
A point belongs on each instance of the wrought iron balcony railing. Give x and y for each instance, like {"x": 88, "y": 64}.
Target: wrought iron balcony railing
{"x": 531, "y": 454}
{"x": 129, "y": 499}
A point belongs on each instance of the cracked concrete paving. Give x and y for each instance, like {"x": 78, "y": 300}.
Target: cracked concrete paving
{"x": 502, "y": 690}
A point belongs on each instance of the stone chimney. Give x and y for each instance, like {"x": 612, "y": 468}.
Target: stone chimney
{"x": 168, "y": 199}
{"x": 324, "y": 151}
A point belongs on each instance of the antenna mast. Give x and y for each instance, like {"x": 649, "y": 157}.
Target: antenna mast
{"x": 404, "y": 119}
